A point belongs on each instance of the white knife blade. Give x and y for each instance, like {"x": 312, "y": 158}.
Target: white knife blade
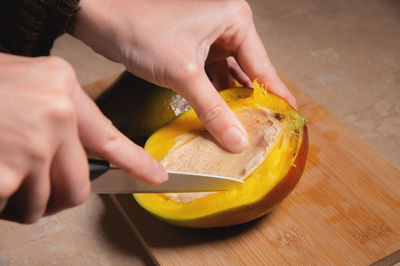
{"x": 116, "y": 181}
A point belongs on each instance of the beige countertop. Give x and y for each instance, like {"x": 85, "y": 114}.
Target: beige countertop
{"x": 345, "y": 54}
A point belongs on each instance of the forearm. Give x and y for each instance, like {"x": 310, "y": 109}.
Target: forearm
{"x": 29, "y": 27}
{"x": 95, "y": 26}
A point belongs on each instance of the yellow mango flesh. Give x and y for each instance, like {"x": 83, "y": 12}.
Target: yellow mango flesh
{"x": 279, "y": 159}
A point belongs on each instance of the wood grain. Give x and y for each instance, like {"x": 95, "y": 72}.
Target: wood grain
{"x": 345, "y": 209}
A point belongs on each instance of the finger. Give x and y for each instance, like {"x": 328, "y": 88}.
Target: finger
{"x": 3, "y": 203}
{"x": 102, "y": 138}
{"x": 253, "y": 59}
{"x": 218, "y": 73}
{"x": 237, "y": 73}
{"x": 222, "y": 74}
{"x": 9, "y": 183}
{"x": 28, "y": 203}
{"x": 212, "y": 110}
{"x": 69, "y": 175}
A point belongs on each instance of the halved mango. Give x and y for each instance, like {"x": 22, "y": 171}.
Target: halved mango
{"x": 271, "y": 165}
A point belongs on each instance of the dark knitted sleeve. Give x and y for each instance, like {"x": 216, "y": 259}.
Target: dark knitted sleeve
{"x": 29, "y": 27}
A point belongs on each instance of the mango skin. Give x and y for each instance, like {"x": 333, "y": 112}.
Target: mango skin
{"x": 138, "y": 108}
{"x": 248, "y": 211}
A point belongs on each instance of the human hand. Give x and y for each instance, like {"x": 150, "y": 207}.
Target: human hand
{"x": 45, "y": 118}
{"x": 170, "y": 43}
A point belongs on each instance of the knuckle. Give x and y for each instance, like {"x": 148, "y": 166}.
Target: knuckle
{"x": 240, "y": 9}
{"x": 212, "y": 115}
{"x": 62, "y": 74}
{"x": 37, "y": 148}
{"x": 244, "y": 10}
{"x": 57, "y": 64}
{"x": 187, "y": 71}
{"x": 241, "y": 23}
{"x": 37, "y": 153}
{"x": 61, "y": 109}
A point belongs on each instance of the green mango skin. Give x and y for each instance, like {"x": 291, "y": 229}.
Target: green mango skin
{"x": 138, "y": 108}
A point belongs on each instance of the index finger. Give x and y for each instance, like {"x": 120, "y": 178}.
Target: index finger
{"x": 214, "y": 112}
{"x": 99, "y": 136}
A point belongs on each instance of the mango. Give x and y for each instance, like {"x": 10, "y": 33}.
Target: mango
{"x": 271, "y": 166}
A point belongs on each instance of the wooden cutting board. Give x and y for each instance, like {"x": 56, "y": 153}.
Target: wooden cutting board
{"x": 345, "y": 210}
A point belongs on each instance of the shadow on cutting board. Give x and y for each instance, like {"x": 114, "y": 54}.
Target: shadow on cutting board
{"x": 120, "y": 237}
{"x": 158, "y": 233}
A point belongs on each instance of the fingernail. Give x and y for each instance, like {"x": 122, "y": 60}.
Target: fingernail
{"x": 161, "y": 174}
{"x": 234, "y": 139}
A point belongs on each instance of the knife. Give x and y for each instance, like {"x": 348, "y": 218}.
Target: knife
{"x": 105, "y": 179}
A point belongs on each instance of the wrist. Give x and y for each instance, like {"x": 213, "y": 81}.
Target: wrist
{"x": 95, "y": 27}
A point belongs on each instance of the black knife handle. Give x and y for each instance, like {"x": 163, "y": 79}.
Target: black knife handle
{"x": 97, "y": 168}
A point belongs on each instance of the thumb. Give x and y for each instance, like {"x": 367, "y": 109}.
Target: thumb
{"x": 213, "y": 111}
{"x": 99, "y": 136}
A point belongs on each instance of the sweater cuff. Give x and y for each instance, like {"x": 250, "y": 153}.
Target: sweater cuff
{"x": 29, "y": 27}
